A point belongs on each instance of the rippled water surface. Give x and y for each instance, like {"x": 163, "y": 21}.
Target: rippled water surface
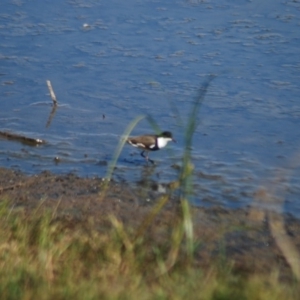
{"x": 111, "y": 61}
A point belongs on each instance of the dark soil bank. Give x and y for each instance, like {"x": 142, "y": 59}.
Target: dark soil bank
{"x": 254, "y": 240}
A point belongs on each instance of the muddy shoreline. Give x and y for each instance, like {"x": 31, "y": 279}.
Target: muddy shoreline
{"x": 254, "y": 240}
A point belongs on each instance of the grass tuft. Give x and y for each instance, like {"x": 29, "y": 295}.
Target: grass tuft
{"x": 45, "y": 258}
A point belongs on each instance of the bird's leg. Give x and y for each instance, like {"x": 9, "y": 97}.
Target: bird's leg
{"x": 142, "y": 154}
{"x": 146, "y": 157}
{"x": 152, "y": 161}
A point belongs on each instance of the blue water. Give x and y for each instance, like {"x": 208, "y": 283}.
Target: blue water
{"x": 111, "y": 62}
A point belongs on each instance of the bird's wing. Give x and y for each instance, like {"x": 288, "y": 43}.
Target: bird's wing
{"x": 139, "y": 141}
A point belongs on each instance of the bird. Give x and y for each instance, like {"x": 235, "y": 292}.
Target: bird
{"x": 150, "y": 142}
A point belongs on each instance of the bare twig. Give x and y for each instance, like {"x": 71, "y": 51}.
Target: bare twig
{"x": 53, "y": 97}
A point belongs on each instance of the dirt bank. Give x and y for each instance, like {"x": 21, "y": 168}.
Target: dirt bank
{"x": 254, "y": 240}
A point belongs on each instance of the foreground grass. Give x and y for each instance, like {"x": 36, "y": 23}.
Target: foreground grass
{"x": 42, "y": 257}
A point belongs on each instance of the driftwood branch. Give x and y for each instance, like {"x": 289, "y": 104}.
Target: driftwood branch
{"x": 21, "y": 138}
{"x": 52, "y": 94}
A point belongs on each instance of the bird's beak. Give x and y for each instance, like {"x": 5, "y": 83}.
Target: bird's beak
{"x": 173, "y": 140}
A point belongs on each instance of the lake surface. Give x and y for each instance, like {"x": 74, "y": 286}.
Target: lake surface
{"x": 112, "y": 61}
